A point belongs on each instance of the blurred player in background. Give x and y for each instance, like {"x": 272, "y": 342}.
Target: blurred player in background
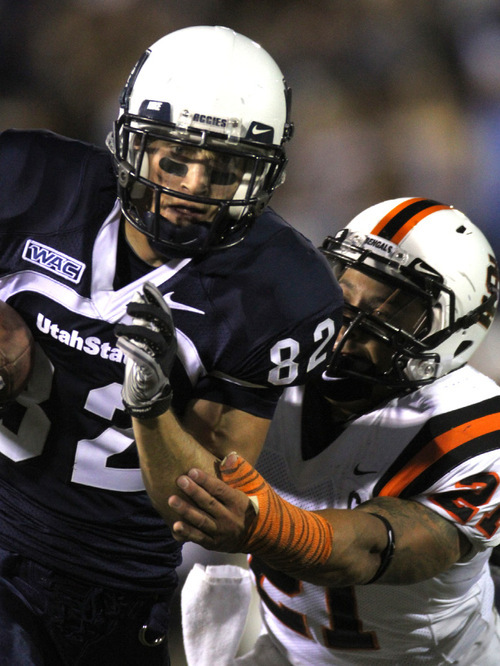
{"x": 392, "y": 460}
{"x": 87, "y": 566}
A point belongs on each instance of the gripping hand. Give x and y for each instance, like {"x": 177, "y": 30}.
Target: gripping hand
{"x": 290, "y": 539}
{"x": 150, "y": 345}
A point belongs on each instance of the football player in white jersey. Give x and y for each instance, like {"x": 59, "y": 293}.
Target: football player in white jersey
{"x": 376, "y": 502}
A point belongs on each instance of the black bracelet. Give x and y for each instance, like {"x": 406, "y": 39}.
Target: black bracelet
{"x": 387, "y": 553}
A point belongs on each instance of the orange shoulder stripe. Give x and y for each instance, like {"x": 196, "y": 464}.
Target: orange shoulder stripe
{"x": 436, "y": 449}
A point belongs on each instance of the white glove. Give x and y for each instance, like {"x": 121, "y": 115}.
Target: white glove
{"x": 150, "y": 344}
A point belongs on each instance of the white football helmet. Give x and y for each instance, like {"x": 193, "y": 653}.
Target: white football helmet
{"x": 203, "y": 88}
{"x": 438, "y": 255}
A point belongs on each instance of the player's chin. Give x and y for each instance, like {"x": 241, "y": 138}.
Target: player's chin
{"x": 185, "y": 216}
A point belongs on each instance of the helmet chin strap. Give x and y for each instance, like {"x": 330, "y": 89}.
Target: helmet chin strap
{"x": 173, "y": 240}
{"x": 352, "y": 386}
{"x": 188, "y": 239}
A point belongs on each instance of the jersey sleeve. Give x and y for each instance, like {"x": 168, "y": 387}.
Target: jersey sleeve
{"x": 453, "y": 464}
{"x": 51, "y": 180}
{"x": 470, "y": 498}
{"x": 285, "y": 310}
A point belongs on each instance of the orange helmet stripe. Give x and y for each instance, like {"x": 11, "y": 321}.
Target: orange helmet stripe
{"x": 402, "y": 218}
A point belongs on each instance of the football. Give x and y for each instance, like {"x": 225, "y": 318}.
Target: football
{"x": 16, "y": 353}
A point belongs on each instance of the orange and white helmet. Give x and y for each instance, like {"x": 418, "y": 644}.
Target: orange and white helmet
{"x": 435, "y": 252}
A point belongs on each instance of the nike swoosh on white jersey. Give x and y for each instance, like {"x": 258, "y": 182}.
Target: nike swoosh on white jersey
{"x": 180, "y": 306}
{"x": 260, "y": 130}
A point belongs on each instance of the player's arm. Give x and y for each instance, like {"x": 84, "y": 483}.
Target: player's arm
{"x": 388, "y": 540}
{"x": 167, "y": 447}
{"x": 217, "y": 427}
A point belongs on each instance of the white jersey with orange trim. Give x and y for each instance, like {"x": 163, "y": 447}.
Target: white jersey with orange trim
{"x": 440, "y": 446}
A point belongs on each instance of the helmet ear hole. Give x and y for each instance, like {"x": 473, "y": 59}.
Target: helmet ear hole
{"x": 463, "y": 346}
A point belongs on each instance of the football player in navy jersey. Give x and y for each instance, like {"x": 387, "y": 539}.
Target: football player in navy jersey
{"x": 236, "y": 306}
{"x": 378, "y": 487}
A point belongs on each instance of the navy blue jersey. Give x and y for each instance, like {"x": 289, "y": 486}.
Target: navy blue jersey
{"x": 250, "y": 320}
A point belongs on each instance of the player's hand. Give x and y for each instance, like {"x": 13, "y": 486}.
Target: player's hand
{"x": 215, "y": 516}
{"x": 150, "y": 344}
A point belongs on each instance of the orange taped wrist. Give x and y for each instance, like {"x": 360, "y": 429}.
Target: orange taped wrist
{"x": 286, "y": 536}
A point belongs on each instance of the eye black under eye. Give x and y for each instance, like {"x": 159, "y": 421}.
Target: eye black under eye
{"x": 173, "y": 167}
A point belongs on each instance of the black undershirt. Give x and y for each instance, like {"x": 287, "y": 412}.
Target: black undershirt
{"x": 319, "y": 428}
{"x": 129, "y": 266}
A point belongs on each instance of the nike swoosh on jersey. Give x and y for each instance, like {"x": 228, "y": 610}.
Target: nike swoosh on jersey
{"x": 180, "y": 306}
